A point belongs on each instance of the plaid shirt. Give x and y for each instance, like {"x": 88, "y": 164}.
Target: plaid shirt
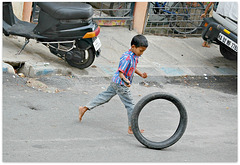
{"x": 127, "y": 65}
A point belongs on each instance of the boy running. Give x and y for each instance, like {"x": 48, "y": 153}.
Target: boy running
{"x": 122, "y": 80}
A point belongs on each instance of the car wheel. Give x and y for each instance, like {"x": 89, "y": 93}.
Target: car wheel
{"x": 228, "y": 53}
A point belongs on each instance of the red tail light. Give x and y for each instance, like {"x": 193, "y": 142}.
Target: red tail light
{"x": 95, "y": 33}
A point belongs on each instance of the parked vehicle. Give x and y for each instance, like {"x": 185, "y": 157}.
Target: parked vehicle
{"x": 66, "y": 28}
{"x": 222, "y": 30}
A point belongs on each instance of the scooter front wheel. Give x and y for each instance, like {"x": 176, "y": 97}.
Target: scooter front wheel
{"x": 80, "y": 58}
{"x": 166, "y": 125}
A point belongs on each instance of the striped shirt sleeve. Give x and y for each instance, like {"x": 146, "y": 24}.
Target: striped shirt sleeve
{"x": 124, "y": 63}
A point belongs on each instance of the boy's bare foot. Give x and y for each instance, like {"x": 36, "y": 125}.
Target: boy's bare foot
{"x": 131, "y": 132}
{"x": 82, "y": 110}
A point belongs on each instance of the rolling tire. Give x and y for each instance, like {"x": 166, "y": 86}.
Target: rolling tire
{"x": 180, "y": 129}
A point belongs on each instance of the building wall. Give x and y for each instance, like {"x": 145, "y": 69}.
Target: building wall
{"x": 139, "y": 16}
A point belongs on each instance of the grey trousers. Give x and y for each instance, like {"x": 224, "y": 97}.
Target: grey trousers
{"x": 113, "y": 89}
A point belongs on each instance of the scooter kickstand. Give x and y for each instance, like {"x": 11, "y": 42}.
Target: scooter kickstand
{"x": 26, "y": 42}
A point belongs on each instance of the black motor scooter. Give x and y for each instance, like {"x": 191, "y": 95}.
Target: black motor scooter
{"x": 66, "y": 28}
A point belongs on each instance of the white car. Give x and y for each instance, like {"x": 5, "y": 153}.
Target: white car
{"x": 222, "y": 29}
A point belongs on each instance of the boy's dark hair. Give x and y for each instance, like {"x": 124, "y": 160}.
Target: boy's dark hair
{"x": 139, "y": 41}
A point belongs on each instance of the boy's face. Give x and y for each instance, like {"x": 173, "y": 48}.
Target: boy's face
{"x": 138, "y": 50}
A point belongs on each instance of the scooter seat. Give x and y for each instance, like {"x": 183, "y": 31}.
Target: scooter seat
{"x": 67, "y": 10}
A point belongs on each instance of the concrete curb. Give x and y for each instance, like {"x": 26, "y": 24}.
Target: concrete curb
{"x": 38, "y": 69}
{"x": 45, "y": 69}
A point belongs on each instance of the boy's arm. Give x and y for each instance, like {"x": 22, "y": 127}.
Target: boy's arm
{"x": 121, "y": 75}
{"x": 143, "y": 75}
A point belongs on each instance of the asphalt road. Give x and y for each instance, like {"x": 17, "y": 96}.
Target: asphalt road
{"x": 40, "y": 121}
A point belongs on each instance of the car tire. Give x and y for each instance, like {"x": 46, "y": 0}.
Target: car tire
{"x": 228, "y": 53}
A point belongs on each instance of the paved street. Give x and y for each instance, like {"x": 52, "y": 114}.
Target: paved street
{"x": 44, "y": 127}
{"x": 40, "y": 115}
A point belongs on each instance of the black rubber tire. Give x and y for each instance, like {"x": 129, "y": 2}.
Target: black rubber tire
{"x": 83, "y": 64}
{"x": 180, "y": 129}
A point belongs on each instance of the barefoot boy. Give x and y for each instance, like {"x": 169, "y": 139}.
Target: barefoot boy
{"x": 127, "y": 68}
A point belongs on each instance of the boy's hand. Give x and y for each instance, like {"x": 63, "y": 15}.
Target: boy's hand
{"x": 129, "y": 85}
{"x": 144, "y": 75}
{"x": 126, "y": 82}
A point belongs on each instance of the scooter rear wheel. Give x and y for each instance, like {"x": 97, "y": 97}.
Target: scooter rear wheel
{"x": 80, "y": 58}
{"x": 172, "y": 102}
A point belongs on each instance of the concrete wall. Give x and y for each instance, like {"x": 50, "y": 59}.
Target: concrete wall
{"x": 139, "y": 14}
